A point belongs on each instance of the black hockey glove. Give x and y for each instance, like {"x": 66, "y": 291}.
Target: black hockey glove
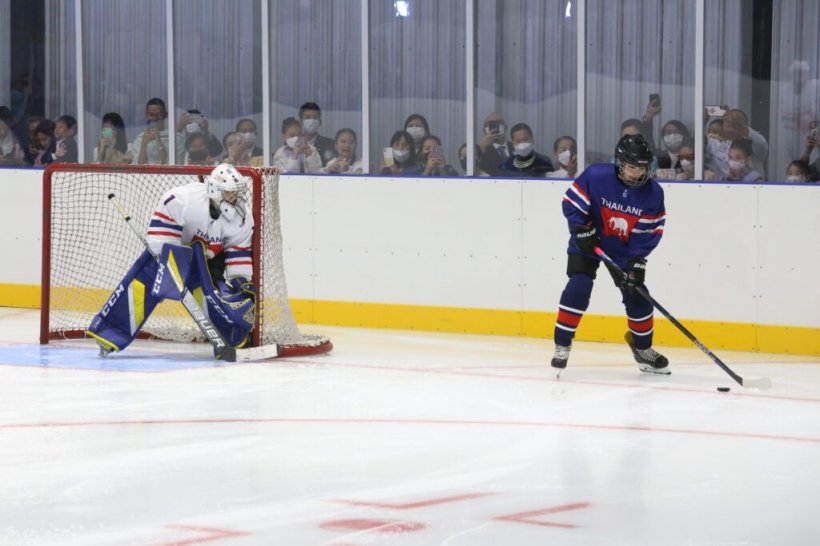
{"x": 635, "y": 274}
{"x": 586, "y": 238}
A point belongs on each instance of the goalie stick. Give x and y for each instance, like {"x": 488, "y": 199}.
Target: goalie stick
{"x": 760, "y": 383}
{"x": 222, "y": 349}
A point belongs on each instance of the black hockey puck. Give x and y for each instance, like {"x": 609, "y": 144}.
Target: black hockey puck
{"x": 724, "y": 389}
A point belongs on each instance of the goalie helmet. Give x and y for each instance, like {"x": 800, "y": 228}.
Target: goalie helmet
{"x": 633, "y": 151}
{"x": 228, "y": 190}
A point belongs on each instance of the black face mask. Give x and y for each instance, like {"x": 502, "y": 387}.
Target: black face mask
{"x": 198, "y": 155}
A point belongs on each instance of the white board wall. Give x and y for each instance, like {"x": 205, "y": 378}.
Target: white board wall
{"x": 737, "y": 253}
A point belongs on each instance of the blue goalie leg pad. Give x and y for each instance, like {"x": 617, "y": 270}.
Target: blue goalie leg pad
{"x": 233, "y": 312}
{"x": 173, "y": 272}
{"x": 128, "y": 307}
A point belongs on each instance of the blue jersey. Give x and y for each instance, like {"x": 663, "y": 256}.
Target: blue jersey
{"x": 629, "y": 221}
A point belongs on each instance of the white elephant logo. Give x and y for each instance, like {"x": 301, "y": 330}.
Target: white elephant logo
{"x": 619, "y": 226}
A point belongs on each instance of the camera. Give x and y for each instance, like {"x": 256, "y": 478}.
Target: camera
{"x": 815, "y": 133}
{"x": 107, "y": 132}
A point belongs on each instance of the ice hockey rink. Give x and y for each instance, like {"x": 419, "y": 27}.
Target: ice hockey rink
{"x": 402, "y": 438}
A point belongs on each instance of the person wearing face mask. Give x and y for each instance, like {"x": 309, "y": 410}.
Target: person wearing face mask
{"x": 740, "y": 164}
{"x": 686, "y": 158}
{"x": 196, "y": 150}
{"x": 310, "y": 115}
{"x": 495, "y": 148}
{"x": 418, "y": 128}
{"x": 674, "y": 134}
{"x": 406, "y": 161}
{"x": 296, "y": 155}
{"x": 525, "y": 161}
{"x": 735, "y": 127}
{"x": 566, "y": 151}
{"x": 247, "y": 130}
{"x": 192, "y": 122}
{"x": 798, "y": 171}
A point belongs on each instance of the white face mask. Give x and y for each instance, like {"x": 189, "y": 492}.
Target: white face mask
{"x": 795, "y": 178}
{"x": 673, "y": 141}
{"x": 249, "y": 138}
{"x": 310, "y": 125}
{"x": 737, "y": 165}
{"x": 292, "y": 141}
{"x": 401, "y": 155}
{"x": 687, "y": 164}
{"x": 564, "y": 157}
{"x": 523, "y": 149}
{"x": 417, "y": 133}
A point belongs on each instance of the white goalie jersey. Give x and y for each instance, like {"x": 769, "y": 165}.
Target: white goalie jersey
{"x": 183, "y": 216}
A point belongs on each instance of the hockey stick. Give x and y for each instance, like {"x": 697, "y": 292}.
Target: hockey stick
{"x": 222, "y": 349}
{"x": 761, "y": 383}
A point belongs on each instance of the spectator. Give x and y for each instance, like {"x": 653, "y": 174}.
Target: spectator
{"x": 432, "y": 154}
{"x": 11, "y": 153}
{"x": 740, "y": 162}
{"x": 345, "y": 161}
{"x": 31, "y": 146}
{"x": 405, "y": 160}
{"x": 47, "y": 145}
{"x": 674, "y": 134}
{"x": 151, "y": 145}
{"x": 798, "y": 171}
{"x": 190, "y": 122}
{"x": 686, "y": 158}
{"x": 197, "y": 151}
{"x": 247, "y": 130}
{"x": 566, "y": 152}
{"x": 296, "y": 155}
{"x": 417, "y": 127}
{"x": 812, "y": 154}
{"x": 716, "y": 146}
{"x": 236, "y": 149}
{"x": 525, "y": 161}
{"x": 495, "y": 148}
{"x": 310, "y": 115}
{"x": 112, "y": 148}
{"x": 634, "y": 126}
{"x": 736, "y": 127}
{"x": 65, "y": 150}
{"x": 462, "y": 160}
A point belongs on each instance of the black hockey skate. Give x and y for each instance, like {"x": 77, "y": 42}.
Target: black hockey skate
{"x": 560, "y": 358}
{"x": 649, "y": 360}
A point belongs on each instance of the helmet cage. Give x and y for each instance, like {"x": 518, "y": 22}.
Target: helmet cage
{"x": 632, "y": 150}
{"x": 226, "y": 179}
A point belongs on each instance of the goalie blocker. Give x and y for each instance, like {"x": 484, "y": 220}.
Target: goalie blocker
{"x": 230, "y": 307}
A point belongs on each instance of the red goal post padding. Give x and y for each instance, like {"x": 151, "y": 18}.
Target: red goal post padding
{"x": 79, "y": 227}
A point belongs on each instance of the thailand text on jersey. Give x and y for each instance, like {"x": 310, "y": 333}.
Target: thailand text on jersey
{"x": 629, "y": 221}
{"x": 183, "y": 216}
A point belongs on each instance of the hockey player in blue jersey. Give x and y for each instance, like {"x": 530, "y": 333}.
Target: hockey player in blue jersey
{"x": 620, "y": 209}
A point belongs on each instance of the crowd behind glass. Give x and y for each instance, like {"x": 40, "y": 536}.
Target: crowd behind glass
{"x": 734, "y": 150}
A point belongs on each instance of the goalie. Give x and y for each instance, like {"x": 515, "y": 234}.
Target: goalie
{"x": 199, "y": 238}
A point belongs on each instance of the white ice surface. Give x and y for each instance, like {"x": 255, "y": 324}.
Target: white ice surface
{"x": 403, "y": 439}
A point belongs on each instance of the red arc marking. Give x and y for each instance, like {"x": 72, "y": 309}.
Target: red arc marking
{"x": 411, "y": 505}
{"x": 523, "y": 517}
{"x": 215, "y": 534}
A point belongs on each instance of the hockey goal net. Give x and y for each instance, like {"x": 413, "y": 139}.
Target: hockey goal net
{"x": 88, "y": 247}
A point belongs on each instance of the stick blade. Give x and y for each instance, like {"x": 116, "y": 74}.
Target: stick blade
{"x": 762, "y": 383}
{"x": 257, "y": 353}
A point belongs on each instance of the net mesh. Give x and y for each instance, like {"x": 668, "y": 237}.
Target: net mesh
{"x": 89, "y": 248}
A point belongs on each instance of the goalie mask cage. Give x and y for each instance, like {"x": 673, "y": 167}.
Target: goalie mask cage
{"x": 88, "y": 248}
